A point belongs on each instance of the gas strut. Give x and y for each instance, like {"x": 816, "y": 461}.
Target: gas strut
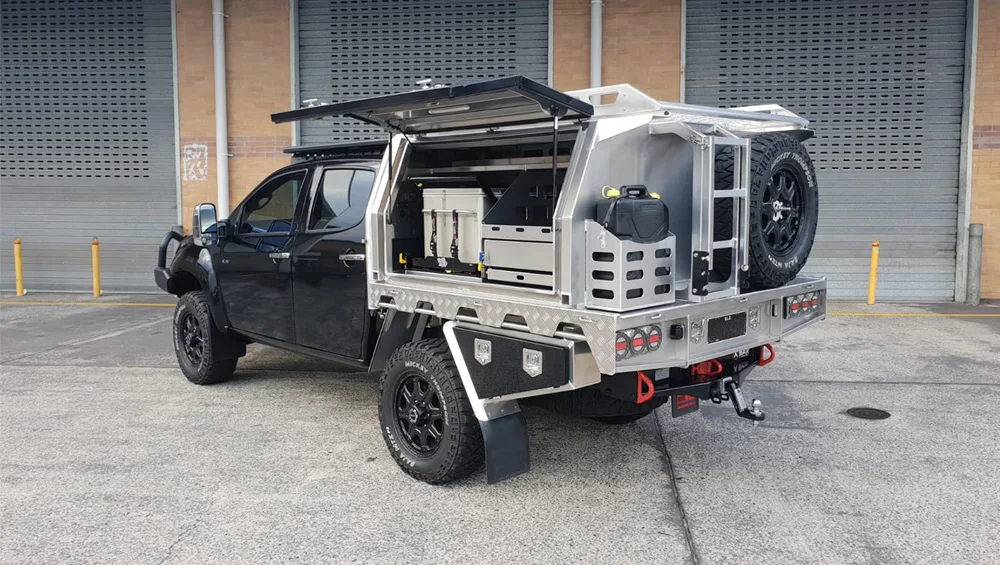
{"x": 454, "y": 234}
{"x": 434, "y": 233}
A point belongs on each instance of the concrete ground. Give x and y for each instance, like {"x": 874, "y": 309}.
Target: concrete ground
{"x": 108, "y": 455}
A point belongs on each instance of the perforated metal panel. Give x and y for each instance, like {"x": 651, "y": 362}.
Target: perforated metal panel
{"x": 881, "y": 83}
{"x": 87, "y": 136}
{"x": 351, "y": 49}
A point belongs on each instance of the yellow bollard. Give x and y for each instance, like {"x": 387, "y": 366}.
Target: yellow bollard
{"x": 18, "y": 269}
{"x": 95, "y": 257}
{"x": 873, "y": 273}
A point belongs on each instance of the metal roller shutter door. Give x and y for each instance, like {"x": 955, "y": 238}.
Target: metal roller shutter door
{"x": 351, "y": 49}
{"x": 881, "y": 83}
{"x": 87, "y": 140}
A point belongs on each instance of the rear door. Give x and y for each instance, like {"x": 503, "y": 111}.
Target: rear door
{"x": 255, "y": 268}
{"x": 329, "y": 263}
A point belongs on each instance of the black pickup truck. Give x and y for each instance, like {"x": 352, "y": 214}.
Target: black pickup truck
{"x": 513, "y": 244}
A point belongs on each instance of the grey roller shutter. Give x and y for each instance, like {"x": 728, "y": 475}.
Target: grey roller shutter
{"x": 881, "y": 83}
{"x": 87, "y": 135}
{"x": 351, "y": 49}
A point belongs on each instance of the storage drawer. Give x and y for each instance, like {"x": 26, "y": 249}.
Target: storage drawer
{"x": 519, "y": 255}
{"x": 519, "y": 277}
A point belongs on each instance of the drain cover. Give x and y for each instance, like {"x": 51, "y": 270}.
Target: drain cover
{"x": 868, "y": 413}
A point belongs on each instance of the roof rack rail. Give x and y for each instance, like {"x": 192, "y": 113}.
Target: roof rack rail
{"x": 372, "y": 148}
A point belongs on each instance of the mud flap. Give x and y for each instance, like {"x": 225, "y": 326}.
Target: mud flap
{"x": 506, "y": 440}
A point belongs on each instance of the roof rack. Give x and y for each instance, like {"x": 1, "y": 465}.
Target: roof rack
{"x": 344, "y": 149}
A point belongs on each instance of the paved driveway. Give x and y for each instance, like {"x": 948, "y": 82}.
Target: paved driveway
{"x": 109, "y": 455}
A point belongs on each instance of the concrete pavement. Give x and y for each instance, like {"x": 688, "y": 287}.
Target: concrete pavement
{"x": 109, "y": 455}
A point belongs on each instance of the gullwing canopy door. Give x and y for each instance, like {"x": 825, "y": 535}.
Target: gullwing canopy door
{"x": 503, "y": 101}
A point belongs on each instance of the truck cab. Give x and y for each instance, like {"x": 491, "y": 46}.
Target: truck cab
{"x": 287, "y": 268}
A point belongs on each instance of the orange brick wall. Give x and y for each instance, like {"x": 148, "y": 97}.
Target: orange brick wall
{"x": 642, "y": 46}
{"x": 986, "y": 145}
{"x": 571, "y": 46}
{"x": 195, "y": 98}
{"x": 641, "y": 41}
{"x": 258, "y": 82}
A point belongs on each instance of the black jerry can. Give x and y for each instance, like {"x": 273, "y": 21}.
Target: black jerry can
{"x": 635, "y": 215}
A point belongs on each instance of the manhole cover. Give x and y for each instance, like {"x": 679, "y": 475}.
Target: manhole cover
{"x": 868, "y": 413}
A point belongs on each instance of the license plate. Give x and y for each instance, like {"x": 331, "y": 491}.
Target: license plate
{"x": 727, "y": 327}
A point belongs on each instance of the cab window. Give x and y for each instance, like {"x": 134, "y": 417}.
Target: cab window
{"x": 272, "y": 207}
{"x": 341, "y": 199}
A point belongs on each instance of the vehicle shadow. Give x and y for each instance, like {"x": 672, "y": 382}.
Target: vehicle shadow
{"x": 562, "y": 447}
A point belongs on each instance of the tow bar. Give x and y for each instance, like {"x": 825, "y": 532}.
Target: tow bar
{"x": 727, "y": 389}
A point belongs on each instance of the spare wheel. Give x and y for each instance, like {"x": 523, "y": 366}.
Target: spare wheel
{"x": 784, "y": 208}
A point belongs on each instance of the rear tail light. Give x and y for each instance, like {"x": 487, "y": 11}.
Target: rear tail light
{"x": 636, "y": 341}
{"x": 804, "y": 304}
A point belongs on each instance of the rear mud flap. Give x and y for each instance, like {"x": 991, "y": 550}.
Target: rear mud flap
{"x": 505, "y": 431}
{"x": 506, "y": 440}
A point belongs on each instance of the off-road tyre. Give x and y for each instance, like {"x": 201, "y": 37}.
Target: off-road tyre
{"x": 459, "y": 450}
{"x": 771, "y": 153}
{"x": 591, "y": 403}
{"x": 218, "y": 351}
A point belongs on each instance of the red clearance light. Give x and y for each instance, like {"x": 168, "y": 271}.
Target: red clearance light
{"x": 621, "y": 346}
{"x": 638, "y": 342}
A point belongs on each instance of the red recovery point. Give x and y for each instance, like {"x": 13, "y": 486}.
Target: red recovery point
{"x": 770, "y": 350}
{"x": 643, "y": 379}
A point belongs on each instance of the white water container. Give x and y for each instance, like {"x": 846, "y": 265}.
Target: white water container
{"x": 470, "y": 203}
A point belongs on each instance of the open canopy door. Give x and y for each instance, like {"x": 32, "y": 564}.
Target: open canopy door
{"x": 503, "y": 101}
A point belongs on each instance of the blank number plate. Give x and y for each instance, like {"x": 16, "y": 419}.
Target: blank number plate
{"x": 727, "y": 327}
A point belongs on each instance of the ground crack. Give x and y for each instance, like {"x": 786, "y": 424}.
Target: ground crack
{"x": 187, "y": 530}
{"x": 688, "y": 535}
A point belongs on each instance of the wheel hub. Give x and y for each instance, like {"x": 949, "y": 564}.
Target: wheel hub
{"x": 191, "y": 339}
{"x": 781, "y": 210}
{"x": 419, "y": 414}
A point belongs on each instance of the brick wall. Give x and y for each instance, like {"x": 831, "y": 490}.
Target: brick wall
{"x": 642, "y": 46}
{"x": 641, "y": 41}
{"x": 986, "y": 145}
{"x": 258, "y": 82}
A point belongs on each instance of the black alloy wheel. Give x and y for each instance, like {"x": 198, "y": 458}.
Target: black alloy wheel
{"x": 192, "y": 341}
{"x": 781, "y": 210}
{"x": 425, "y": 414}
{"x": 419, "y": 413}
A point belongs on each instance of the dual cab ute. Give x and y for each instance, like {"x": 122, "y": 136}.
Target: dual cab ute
{"x": 596, "y": 252}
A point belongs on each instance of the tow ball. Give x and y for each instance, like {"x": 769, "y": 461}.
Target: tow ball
{"x": 727, "y": 389}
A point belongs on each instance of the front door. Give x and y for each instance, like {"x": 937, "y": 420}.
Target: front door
{"x": 255, "y": 267}
{"x": 330, "y": 289}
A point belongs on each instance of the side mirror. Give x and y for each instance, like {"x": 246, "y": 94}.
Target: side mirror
{"x": 205, "y": 224}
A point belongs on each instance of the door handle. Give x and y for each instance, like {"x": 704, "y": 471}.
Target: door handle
{"x": 276, "y": 256}
{"x": 352, "y": 257}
